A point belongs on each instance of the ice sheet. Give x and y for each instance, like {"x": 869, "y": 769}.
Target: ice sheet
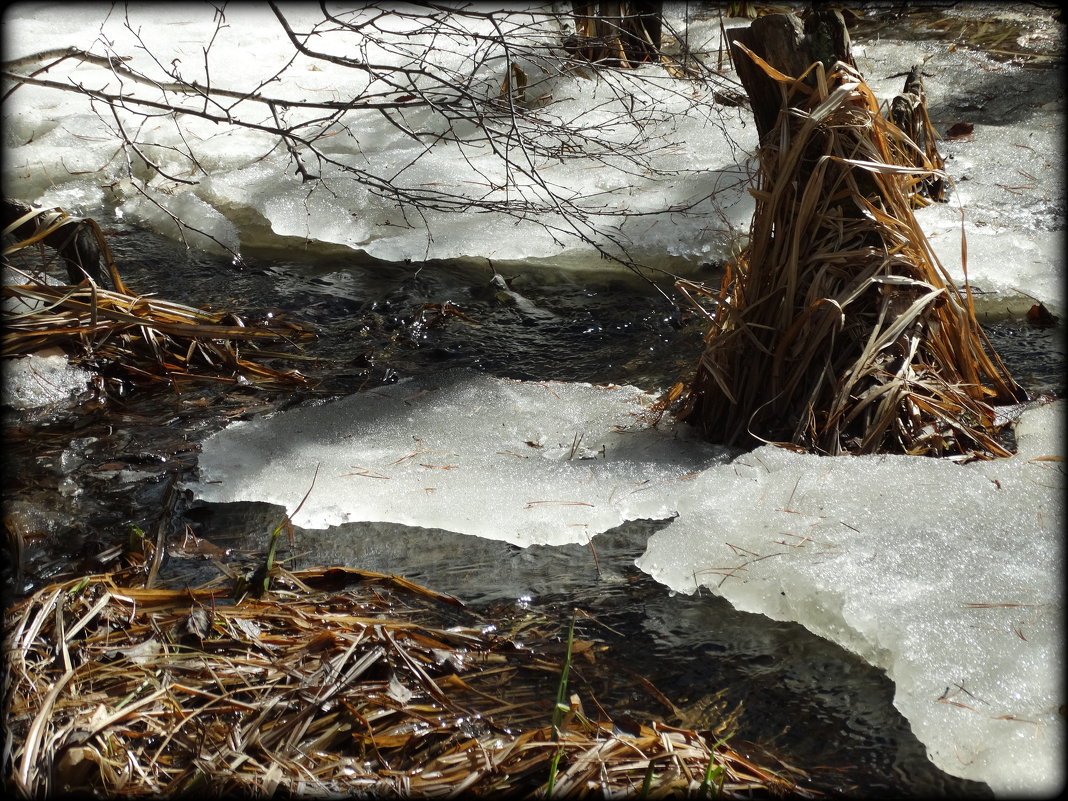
{"x": 528, "y": 463}
{"x": 1007, "y": 197}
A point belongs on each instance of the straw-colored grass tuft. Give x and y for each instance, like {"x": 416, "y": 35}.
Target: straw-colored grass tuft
{"x": 838, "y": 330}
{"x": 141, "y": 339}
{"x": 340, "y": 681}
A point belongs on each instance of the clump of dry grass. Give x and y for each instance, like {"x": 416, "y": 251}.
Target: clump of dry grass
{"x": 141, "y": 338}
{"x": 838, "y": 330}
{"x": 339, "y": 681}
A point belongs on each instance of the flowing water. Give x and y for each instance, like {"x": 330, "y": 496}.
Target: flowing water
{"x": 80, "y": 476}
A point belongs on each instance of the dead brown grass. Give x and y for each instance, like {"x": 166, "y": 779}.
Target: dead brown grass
{"x": 838, "y": 330}
{"x": 340, "y": 681}
{"x": 143, "y": 339}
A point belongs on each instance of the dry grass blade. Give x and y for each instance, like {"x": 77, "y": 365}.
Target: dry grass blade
{"x": 342, "y": 683}
{"x": 838, "y": 330}
{"x": 144, "y": 339}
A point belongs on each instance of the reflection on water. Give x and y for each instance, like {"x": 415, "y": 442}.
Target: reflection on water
{"x": 80, "y": 478}
{"x": 802, "y": 698}
{"x": 1033, "y": 354}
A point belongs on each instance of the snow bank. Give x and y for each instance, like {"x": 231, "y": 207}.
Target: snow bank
{"x": 1008, "y": 192}
{"x": 61, "y": 153}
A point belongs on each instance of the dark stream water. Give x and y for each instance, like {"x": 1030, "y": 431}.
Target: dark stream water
{"x": 79, "y": 476}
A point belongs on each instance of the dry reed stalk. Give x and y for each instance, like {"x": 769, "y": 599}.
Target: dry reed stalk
{"x": 334, "y": 688}
{"x": 838, "y": 330}
{"x": 143, "y": 338}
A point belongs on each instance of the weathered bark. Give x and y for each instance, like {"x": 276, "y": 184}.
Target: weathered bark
{"x": 909, "y": 113}
{"x": 791, "y": 47}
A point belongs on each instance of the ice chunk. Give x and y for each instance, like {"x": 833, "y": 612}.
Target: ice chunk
{"x": 34, "y": 381}
{"x": 946, "y": 575}
{"x": 528, "y": 463}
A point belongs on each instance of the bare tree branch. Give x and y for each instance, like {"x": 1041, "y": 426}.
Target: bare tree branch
{"x": 490, "y": 85}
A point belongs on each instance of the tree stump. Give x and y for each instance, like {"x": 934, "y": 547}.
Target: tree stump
{"x": 792, "y": 47}
{"x": 617, "y": 34}
{"x": 837, "y": 330}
